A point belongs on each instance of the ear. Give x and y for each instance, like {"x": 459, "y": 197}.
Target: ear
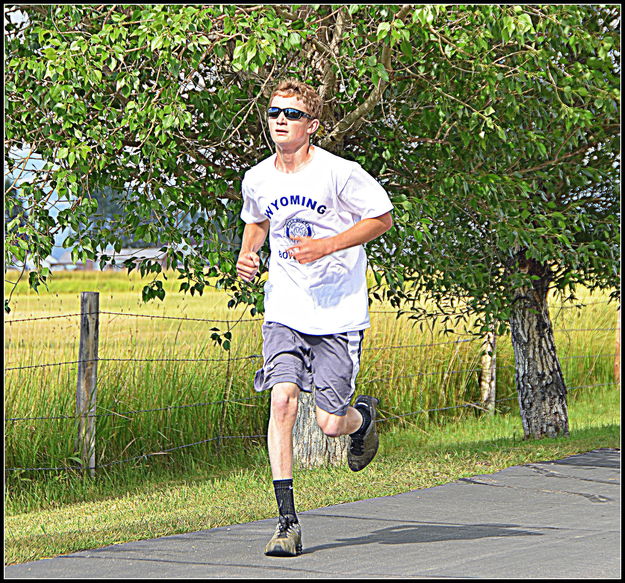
{"x": 313, "y": 127}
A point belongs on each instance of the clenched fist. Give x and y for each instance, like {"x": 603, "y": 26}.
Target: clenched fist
{"x": 308, "y": 250}
{"x": 247, "y": 265}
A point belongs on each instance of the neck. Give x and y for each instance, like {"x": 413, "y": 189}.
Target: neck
{"x": 291, "y": 160}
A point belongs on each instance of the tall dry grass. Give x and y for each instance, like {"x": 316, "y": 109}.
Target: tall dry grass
{"x": 148, "y": 404}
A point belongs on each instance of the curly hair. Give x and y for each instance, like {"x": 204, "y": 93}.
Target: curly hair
{"x": 304, "y": 92}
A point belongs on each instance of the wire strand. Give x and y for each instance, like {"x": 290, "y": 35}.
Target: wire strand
{"x": 220, "y": 437}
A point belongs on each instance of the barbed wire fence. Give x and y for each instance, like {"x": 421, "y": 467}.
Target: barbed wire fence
{"x": 86, "y": 414}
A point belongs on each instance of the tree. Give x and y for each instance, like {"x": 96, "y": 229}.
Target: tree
{"x": 14, "y": 214}
{"x": 494, "y": 127}
{"x": 526, "y": 160}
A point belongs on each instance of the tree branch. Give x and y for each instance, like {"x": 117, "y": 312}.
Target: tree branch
{"x": 557, "y": 160}
{"x": 329, "y": 78}
{"x": 356, "y": 117}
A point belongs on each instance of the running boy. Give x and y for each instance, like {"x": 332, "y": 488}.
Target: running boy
{"x": 319, "y": 210}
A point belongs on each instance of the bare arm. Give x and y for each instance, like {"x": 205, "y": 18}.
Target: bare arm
{"x": 254, "y": 236}
{"x": 307, "y": 249}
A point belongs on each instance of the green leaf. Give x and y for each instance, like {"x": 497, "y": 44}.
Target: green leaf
{"x": 525, "y": 23}
{"x": 383, "y": 30}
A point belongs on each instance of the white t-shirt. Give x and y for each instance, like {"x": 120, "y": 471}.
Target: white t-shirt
{"x": 325, "y": 197}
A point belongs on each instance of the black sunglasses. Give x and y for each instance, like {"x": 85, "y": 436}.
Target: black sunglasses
{"x": 289, "y": 113}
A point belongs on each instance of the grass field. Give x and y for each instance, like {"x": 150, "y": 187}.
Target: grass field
{"x": 162, "y": 503}
{"x": 149, "y": 403}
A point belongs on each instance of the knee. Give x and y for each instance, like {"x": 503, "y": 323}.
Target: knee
{"x": 331, "y": 425}
{"x": 284, "y": 402}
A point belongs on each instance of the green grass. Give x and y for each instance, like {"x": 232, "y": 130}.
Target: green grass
{"x": 157, "y": 503}
{"x": 221, "y": 482}
{"x": 425, "y": 369}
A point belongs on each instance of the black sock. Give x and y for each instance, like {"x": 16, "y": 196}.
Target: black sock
{"x": 284, "y": 497}
{"x": 366, "y": 419}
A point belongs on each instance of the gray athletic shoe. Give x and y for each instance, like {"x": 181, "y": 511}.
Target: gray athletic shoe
{"x": 287, "y": 540}
{"x": 363, "y": 446}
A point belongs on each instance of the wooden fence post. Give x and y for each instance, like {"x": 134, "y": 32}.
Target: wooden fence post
{"x": 488, "y": 380}
{"x": 87, "y": 379}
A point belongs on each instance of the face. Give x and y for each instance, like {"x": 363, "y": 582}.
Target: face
{"x": 286, "y": 132}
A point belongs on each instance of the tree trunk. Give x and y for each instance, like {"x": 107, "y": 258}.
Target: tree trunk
{"x": 539, "y": 381}
{"x": 488, "y": 380}
{"x": 617, "y": 352}
{"x": 311, "y": 447}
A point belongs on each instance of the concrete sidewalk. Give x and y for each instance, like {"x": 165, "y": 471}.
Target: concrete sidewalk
{"x": 547, "y": 520}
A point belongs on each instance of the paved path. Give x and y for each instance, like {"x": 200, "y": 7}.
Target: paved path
{"x": 548, "y": 520}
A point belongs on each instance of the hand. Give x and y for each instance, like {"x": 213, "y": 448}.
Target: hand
{"x": 307, "y": 249}
{"x": 247, "y": 265}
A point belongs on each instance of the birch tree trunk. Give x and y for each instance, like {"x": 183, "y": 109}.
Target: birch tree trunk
{"x": 311, "y": 447}
{"x": 539, "y": 381}
{"x": 617, "y": 352}
{"x": 488, "y": 380}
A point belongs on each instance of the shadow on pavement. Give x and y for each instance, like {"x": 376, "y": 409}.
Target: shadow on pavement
{"x": 600, "y": 458}
{"x": 425, "y": 533}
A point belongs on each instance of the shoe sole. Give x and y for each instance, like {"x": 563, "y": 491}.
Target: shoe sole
{"x": 278, "y": 551}
{"x": 373, "y": 408}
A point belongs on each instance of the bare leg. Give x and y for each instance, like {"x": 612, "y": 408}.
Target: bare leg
{"x": 284, "y": 398}
{"x": 337, "y": 425}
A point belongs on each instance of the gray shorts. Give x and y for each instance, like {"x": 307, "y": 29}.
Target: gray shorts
{"x": 326, "y": 363}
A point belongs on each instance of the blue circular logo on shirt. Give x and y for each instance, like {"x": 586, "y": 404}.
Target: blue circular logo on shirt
{"x": 298, "y": 228}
